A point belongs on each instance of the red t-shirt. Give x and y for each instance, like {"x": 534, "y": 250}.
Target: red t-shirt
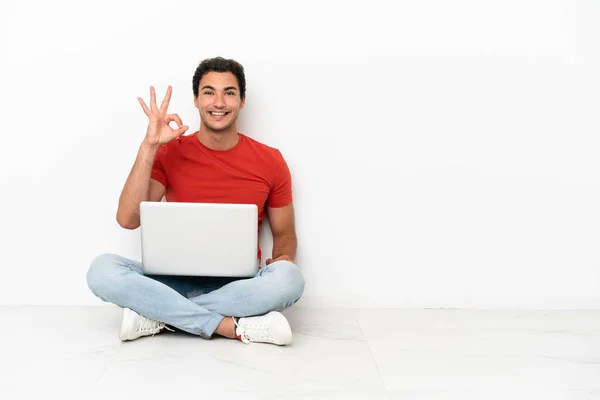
{"x": 249, "y": 173}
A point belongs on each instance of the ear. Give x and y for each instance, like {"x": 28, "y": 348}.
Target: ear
{"x": 196, "y": 102}
{"x": 243, "y": 102}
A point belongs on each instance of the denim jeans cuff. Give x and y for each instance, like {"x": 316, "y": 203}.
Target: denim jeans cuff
{"x": 211, "y": 326}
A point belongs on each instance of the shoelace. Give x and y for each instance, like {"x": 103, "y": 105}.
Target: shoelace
{"x": 254, "y": 332}
{"x": 148, "y": 325}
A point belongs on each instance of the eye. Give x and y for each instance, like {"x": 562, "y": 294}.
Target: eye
{"x": 208, "y": 92}
{"x": 230, "y": 93}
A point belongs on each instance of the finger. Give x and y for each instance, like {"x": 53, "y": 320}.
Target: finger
{"x": 144, "y": 106}
{"x": 181, "y": 130}
{"x": 269, "y": 261}
{"x": 165, "y": 103}
{"x": 153, "y": 105}
{"x": 175, "y": 117}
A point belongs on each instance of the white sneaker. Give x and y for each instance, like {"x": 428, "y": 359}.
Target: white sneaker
{"x": 268, "y": 328}
{"x": 135, "y": 325}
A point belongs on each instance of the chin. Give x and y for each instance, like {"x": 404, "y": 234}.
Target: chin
{"x": 218, "y": 129}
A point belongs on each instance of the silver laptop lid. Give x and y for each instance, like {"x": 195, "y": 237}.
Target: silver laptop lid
{"x": 199, "y": 239}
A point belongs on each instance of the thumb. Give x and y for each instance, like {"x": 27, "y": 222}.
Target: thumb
{"x": 269, "y": 261}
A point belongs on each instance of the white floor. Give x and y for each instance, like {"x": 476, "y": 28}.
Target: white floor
{"x": 74, "y": 353}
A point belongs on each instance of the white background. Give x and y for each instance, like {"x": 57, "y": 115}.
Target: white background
{"x": 444, "y": 154}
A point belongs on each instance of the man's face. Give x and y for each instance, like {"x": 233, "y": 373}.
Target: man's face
{"x": 218, "y": 100}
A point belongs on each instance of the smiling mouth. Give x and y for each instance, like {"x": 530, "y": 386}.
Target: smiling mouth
{"x": 218, "y": 113}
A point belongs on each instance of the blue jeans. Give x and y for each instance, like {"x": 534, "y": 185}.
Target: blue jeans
{"x": 194, "y": 304}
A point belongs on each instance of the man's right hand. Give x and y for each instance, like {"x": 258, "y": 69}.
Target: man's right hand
{"x": 159, "y": 132}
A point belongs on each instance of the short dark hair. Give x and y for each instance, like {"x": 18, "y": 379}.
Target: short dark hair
{"x": 220, "y": 64}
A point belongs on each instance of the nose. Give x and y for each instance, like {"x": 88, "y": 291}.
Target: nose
{"x": 219, "y": 100}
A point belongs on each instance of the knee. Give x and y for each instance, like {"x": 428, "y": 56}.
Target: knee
{"x": 290, "y": 281}
{"x": 99, "y": 274}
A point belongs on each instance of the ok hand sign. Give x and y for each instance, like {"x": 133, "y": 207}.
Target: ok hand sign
{"x": 159, "y": 132}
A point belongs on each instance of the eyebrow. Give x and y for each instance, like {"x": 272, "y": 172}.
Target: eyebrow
{"x": 212, "y": 88}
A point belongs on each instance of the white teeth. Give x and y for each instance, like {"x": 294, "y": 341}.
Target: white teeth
{"x": 217, "y": 114}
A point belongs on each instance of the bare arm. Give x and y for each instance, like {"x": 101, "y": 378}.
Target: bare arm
{"x": 139, "y": 187}
{"x": 282, "y": 223}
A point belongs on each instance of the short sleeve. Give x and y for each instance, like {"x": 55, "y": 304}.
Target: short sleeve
{"x": 281, "y": 190}
{"x": 158, "y": 168}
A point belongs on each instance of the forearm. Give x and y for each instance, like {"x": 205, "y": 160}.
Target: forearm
{"x": 136, "y": 187}
{"x": 285, "y": 245}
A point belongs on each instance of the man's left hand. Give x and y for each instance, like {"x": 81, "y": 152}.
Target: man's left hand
{"x": 280, "y": 258}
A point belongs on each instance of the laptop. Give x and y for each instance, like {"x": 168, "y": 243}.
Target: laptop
{"x": 199, "y": 239}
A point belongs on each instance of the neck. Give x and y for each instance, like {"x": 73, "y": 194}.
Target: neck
{"x": 218, "y": 140}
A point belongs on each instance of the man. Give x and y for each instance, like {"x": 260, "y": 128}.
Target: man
{"x": 215, "y": 165}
